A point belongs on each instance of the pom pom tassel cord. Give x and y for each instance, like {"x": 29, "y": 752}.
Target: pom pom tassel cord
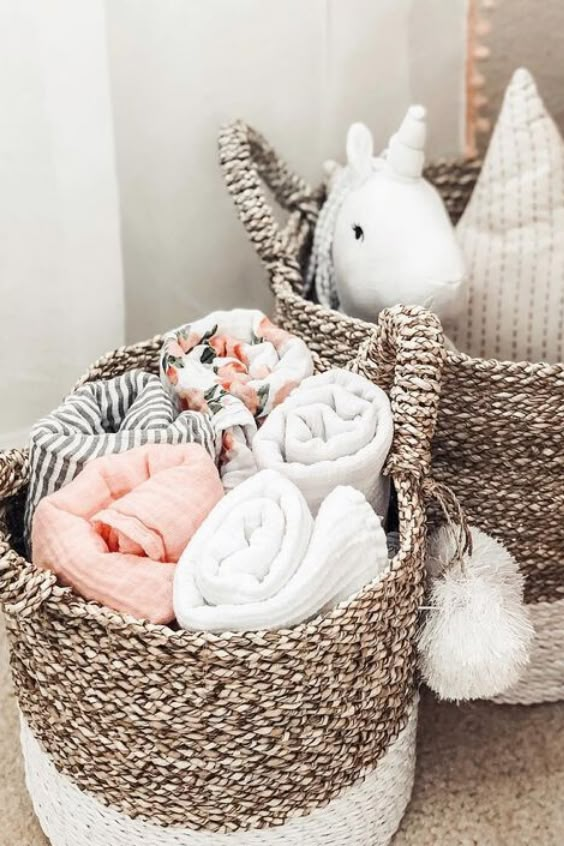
{"x": 455, "y": 517}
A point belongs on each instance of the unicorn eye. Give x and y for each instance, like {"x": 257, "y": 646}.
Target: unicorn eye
{"x": 358, "y": 232}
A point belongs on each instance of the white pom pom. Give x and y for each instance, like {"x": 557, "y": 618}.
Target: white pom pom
{"x": 477, "y": 635}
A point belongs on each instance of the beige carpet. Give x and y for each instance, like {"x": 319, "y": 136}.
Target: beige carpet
{"x": 487, "y": 776}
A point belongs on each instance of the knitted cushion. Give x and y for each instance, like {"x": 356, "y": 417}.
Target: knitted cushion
{"x": 512, "y": 236}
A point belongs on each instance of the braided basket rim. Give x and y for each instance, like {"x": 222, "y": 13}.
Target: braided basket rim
{"x": 72, "y": 605}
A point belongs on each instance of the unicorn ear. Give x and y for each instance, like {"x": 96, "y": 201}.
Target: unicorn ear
{"x": 360, "y": 149}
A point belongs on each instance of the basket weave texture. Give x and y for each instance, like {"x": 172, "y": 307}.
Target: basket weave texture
{"x": 499, "y": 440}
{"x": 236, "y": 731}
{"x": 366, "y": 814}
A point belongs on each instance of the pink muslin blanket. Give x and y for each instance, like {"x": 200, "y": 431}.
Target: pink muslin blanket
{"x": 116, "y": 531}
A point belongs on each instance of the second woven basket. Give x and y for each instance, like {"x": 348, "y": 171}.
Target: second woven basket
{"x": 499, "y": 442}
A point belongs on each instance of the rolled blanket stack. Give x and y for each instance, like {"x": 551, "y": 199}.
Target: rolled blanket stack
{"x": 261, "y": 561}
{"x": 124, "y": 472}
{"x": 336, "y": 428}
{"x": 238, "y": 366}
{"x": 115, "y": 532}
{"x": 103, "y": 418}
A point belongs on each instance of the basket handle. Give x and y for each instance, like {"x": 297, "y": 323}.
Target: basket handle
{"x": 247, "y": 161}
{"x": 14, "y": 472}
{"x": 405, "y": 355}
{"x": 23, "y": 587}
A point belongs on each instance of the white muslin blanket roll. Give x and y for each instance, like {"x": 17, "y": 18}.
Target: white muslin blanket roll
{"x": 336, "y": 428}
{"x": 260, "y": 560}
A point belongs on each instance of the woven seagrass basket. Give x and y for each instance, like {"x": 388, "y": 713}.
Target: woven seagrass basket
{"x": 135, "y": 733}
{"x": 499, "y": 441}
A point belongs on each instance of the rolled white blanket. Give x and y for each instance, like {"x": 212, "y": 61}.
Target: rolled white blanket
{"x": 260, "y": 560}
{"x": 336, "y": 428}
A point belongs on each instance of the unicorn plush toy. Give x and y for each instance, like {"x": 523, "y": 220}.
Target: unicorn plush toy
{"x": 384, "y": 236}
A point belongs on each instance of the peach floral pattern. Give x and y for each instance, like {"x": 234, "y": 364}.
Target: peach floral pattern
{"x": 237, "y": 365}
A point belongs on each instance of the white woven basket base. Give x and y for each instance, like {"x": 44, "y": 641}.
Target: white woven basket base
{"x": 367, "y": 814}
{"x": 543, "y": 681}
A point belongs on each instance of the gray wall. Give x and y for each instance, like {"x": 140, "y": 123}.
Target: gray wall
{"x": 527, "y": 33}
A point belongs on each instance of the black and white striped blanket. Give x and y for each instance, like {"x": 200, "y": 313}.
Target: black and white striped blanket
{"x": 107, "y": 417}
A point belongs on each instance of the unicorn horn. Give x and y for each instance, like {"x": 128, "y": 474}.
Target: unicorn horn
{"x": 406, "y": 155}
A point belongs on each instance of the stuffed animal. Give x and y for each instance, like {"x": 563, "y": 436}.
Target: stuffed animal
{"x": 384, "y": 236}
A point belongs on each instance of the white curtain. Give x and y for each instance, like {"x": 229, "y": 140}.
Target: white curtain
{"x": 163, "y": 75}
{"x": 61, "y": 283}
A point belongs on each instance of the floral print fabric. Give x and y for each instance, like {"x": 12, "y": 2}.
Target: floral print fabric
{"x": 237, "y": 366}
